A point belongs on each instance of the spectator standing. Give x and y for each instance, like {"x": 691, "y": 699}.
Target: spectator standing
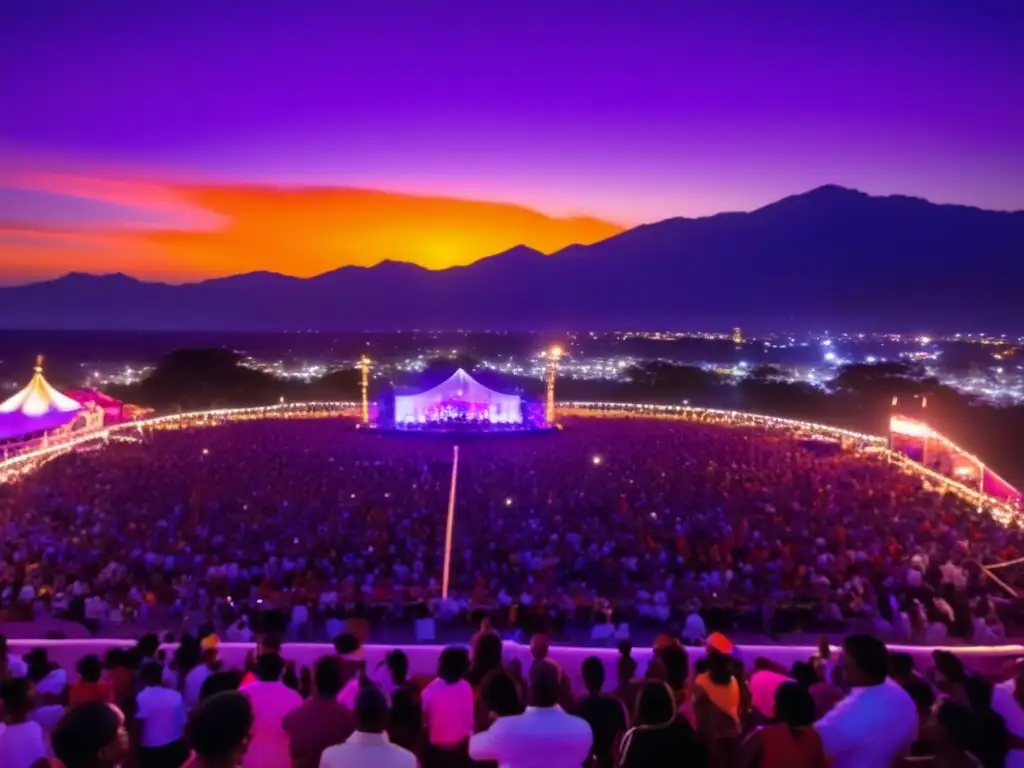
{"x": 877, "y": 722}
{"x": 160, "y": 720}
{"x": 10, "y": 664}
{"x": 369, "y": 745}
{"x": 764, "y": 682}
{"x": 353, "y": 668}
{"x": 791, "y": 741}
{"x": 660, "y": 737}
{"x": 605, "y": 714}
{"x": 544, "y": 736}
{"x": 22, "y": 742}
{"x": 406, "y": 722}
{"x": 321, "y": 721}
{"x": 1008, "y": 703}
{"x": 271, "y": 701}
{"x": 220, "y": 730}
{"x": 825, "y": 695}
{"x": 192, "y": 690}
{"x": 90, "y": 685}
{"x": 91, "y": 735}
{"x": 955, "y": 732}
{"x": 448, "y": 708}
{"x": 717, "y": 703}
{"x": 991, "y": 744}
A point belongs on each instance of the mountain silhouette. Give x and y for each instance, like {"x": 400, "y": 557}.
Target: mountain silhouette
{"x": 830, "y": 258}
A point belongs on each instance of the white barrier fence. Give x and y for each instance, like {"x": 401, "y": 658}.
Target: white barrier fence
{"x": 423, "y": 658}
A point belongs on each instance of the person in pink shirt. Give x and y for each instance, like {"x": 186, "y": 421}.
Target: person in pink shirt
{"x": 271, "y": 700}
{"x": 448, "y": 705}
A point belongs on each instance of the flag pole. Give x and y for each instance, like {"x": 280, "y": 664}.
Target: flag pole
{"x": 450, "y": 525}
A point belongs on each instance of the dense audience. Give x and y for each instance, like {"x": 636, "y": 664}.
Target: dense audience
{"x": 886, "y": 714}
{"x": 276, "y": 531}
{"x": 637, "y": 522}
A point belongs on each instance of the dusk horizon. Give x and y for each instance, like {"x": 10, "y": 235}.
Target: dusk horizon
{"x": 193, "y": 141}
{"x": 558, "y": 230}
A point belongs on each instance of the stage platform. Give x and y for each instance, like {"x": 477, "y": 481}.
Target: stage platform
{"x": 460, "y": 432}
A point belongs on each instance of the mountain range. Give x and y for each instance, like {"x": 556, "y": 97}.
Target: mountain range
{"x": 830, "y": 258}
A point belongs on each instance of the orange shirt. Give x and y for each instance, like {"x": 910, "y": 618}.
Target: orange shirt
{"x": 725, "y": 697}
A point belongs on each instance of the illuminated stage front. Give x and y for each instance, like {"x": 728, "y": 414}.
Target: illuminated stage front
{"x": 461, "y": 404}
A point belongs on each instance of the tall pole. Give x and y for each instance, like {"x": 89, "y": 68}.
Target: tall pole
{"x": 552, "y": 371}
{"x": 445, "y": 576}
{"x": 364, "y": 363}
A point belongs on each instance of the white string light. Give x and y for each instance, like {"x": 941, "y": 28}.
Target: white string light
{"x": 23, "y": 463}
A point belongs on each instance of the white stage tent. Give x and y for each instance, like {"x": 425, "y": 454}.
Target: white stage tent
{"x": 458, "y": 396}
{"x": 37, "y": 408}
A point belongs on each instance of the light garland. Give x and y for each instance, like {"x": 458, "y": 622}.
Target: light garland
{"x": 23, "y": 463}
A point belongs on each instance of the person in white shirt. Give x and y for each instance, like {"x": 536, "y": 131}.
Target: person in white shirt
{"x": 161, "y": 721}
{"x": 1007, "y": 701}
{"x": 193, "y": 688}
{"x": 877, "y": 722}
{"x": 10, "y": 664}
{"x": 544, "y": 736}
{"x": 448, "y": 704}
{"x": 271, "y": 700}
{"x": 369, "y": 745}
{"x": 694, "y": 629}
{"x": 22, "y": 742}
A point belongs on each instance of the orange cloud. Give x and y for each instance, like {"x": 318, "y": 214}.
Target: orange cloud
{"x": 299, "y": 231}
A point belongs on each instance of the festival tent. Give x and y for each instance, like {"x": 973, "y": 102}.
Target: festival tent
{"x": 37, "y": 408}
{"x": 111, "y": 407}
{"x": 916, "y": 439}
{"x": 460, "y": 395}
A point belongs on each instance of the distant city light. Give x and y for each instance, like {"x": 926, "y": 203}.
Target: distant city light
{"x": 827, "y": 343}
{"x": 869, "y": 359}
{"x": 830, "y": 357}
{"x": 508, "y": 501}
{"x": 596, "y": 460}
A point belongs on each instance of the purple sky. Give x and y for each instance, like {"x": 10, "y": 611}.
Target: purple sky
{"x": 627, "y": 110}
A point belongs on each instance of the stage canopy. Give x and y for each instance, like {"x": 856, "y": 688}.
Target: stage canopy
{"x": 459, "y": 396}
{"x": 37, "y": 408}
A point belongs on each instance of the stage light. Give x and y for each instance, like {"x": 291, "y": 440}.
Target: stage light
{"x": 596, "y": 460}
{"x": 508, "y": 501}
{"x": 206, "y": 451}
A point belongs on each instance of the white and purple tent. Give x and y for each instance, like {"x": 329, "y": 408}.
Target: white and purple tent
{"x": 37, "y": 408}
{"x": 458, "y": 396}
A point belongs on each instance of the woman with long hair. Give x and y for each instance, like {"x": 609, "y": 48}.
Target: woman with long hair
{"x": 660, "y": 738}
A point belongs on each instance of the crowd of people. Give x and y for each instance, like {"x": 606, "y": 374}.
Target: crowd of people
{"x": 142, "y": 707}
{"x": 612, "y": 522}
